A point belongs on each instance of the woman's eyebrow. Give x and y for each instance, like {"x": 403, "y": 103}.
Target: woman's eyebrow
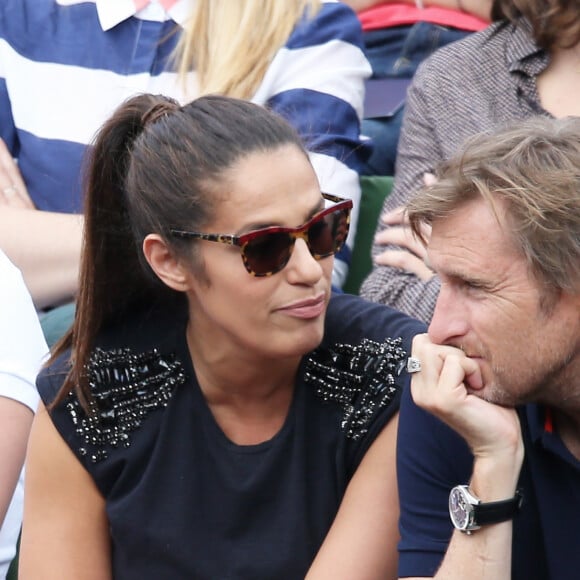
{"x": 261, "y": 226}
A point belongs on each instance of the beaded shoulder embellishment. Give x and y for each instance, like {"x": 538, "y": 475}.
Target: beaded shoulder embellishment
{"x": 361, "y": 379}
{"x": 126, "y": 387}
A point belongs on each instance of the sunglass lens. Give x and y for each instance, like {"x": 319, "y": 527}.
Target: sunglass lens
{"x": 327, "y": 236}
{"x": 268, "y": 253}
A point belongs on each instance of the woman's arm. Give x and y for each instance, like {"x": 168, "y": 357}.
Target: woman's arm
{"x": 65, "y": 534}
{"x": 46, "y": 247}
{"x": 22, "y": 349}
{"x": 15, "y": 421}
{"x": 362, "y": 542}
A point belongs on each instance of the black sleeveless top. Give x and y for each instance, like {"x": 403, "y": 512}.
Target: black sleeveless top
{"x": 185, "y": 502}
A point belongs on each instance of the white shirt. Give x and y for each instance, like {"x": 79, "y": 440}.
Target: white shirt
{"x": 22, "y": 352}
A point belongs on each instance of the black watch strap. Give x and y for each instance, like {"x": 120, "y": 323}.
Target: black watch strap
{"x": 495, "y": 512}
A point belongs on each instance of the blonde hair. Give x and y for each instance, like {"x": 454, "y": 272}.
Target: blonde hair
{"x": 231, "y": 43}
{"x": 534, "y": 167}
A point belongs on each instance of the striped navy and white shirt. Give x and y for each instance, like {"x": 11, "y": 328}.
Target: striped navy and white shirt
{"x": 66, "y": 65}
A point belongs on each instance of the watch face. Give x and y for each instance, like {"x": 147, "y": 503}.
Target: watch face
{"x": 459, "y": 509}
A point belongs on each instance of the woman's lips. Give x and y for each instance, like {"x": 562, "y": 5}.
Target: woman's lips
{"x": 306, "y": 309}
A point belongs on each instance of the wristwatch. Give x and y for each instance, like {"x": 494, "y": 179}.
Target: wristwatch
{"x": 468, "y": 513}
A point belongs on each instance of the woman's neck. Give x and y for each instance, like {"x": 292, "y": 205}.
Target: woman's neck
{"x": 559, "y": 84}
{"x": 249, "y": 397}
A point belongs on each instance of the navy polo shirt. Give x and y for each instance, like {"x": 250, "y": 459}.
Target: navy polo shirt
{"x": 432, "y": 459}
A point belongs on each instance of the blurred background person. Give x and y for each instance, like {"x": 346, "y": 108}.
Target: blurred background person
{"x": 303, "y": 58}
{"x": 398, "y": 36}
{"x": 22, "y": 351}
{"x": 522, "y": 65}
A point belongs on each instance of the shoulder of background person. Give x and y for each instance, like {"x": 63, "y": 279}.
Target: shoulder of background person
{"x": 333, "y": 21}
{"x": 471, "y": 65}
{"x": 468, "y": 53}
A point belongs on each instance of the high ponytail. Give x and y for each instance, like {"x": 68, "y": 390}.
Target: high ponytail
{"x": 112, "y": 276}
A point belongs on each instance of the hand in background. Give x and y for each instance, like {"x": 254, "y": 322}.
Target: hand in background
{"x": 411, "y": 254}
{"x": 13, "y": 192}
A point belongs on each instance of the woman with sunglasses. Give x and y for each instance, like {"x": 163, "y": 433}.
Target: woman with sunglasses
{"x": 207, "y": 417}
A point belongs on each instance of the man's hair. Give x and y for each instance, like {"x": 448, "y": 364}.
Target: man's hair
{"x": 533, "y": 170}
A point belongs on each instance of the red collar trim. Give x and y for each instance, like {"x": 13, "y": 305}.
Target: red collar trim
{"x": 548, "y": 423}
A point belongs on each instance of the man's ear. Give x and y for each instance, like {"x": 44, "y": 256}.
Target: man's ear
{"x": 169, "y": 269}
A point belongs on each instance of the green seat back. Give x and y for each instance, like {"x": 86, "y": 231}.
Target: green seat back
{"x": 12, "y": 573}
{"x": 374, "y": 190}
{"x": 56, "y": 322}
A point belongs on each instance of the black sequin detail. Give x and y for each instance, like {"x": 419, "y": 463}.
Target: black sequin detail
{"x": 359, "y": 378}
{"x": 126, "y": 387}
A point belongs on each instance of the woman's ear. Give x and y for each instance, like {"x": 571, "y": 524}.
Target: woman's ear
{"x": 169, "y": 269}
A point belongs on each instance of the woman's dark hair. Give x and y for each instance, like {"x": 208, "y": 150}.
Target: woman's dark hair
{"x": 154, "y": 165}
{"x": 555, "y": 23}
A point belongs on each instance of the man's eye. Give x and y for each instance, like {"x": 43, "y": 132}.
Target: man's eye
{"x": 472, "y": 286}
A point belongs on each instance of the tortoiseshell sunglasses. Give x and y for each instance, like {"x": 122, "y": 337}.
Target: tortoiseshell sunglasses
{"x": 268, "y": 250}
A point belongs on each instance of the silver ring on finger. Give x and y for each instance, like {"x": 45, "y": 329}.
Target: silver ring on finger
{"x": 9, "y": 191}
{"x": 413, "y": 365}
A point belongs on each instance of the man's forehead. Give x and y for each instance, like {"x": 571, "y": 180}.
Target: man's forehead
{"x": 470, "y": 239}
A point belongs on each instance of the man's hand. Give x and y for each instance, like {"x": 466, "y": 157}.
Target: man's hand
{"x": 448, "y": 386}
{"x": 13, "y": 192}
